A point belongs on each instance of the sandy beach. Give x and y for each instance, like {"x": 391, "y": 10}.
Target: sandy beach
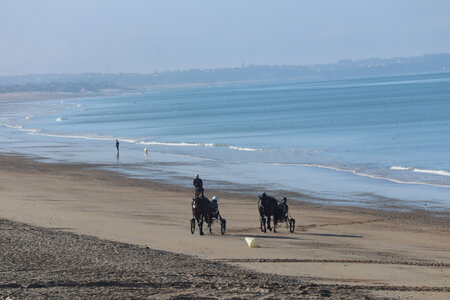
{"x": 341, "y": 252}
{"x": 45, "y": 263}
{"x": 111, "y": 112}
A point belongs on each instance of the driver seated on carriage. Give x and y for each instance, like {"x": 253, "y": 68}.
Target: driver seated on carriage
{"x": 284, "y": 209}
{"x": 215, "y": 207}
{"x": 198, "y": 185}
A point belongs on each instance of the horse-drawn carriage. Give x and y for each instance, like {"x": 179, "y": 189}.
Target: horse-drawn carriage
{"x": 205, "y": 210}
{"x": 270, "y": 207}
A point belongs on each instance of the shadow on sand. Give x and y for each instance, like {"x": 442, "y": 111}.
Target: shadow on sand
{"x": 334, "y": 235}
{"x": 266, "y": 236}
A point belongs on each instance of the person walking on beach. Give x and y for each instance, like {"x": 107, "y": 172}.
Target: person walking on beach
{"x": 117, "y": 145}
{"x": 198, "y": 184}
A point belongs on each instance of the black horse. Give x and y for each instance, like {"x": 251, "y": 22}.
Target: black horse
{"x": 201, "y": 211}
{"x": 268, "y": 207}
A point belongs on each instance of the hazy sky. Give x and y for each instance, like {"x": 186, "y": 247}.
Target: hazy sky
{"x": 48, "y": 36}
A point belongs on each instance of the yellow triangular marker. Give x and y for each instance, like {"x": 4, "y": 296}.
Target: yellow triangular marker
{"x": 251, "y": 242}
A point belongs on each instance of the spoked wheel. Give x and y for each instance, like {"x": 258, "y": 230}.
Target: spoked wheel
{"x": 223, "y": 226}
{"x": 291, "y": 225}
{"x": 263, "y": 226}
{"x": 192, "y": 225}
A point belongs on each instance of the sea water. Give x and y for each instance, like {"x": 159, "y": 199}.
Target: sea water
{"x": 380, "y": 142}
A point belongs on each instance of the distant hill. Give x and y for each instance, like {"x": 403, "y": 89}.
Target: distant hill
{"x": 126, "y": 81}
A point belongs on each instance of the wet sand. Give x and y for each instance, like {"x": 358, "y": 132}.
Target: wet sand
{"x": 84, "y": 214}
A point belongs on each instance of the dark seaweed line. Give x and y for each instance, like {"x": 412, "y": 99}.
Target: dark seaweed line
{"x": 349, "y": 261}
{"x": 183, "y": 285}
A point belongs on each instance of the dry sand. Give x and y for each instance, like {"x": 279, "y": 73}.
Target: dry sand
{"x": 44, "y": 263}
{"x": 336, "y": 251}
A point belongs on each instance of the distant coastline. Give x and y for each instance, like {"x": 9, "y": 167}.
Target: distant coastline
{"x": 91, "y": 84}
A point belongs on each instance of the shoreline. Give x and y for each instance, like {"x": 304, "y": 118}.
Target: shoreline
{"x": 302, "y": 182}
{"x": 247, "y": 194}
{"x": 244, "y": 192}
{"x": 352, "y": 246}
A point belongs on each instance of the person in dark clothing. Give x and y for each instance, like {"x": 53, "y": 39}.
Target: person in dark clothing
{"x": 198, "y": 184}
{"x": 215, "y": 205}
{"x": 284, "y": 208}
{"x": 117, "y": 145}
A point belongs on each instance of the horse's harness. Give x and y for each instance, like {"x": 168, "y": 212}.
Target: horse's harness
{"x": 195, "y": 202}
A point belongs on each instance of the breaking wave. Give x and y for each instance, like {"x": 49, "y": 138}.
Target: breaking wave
{"x": 416, "y": 170}
{"x": 434, "y": 172}
{"x": 181, "y": 144}
{"x": 244, "y": 148}
{"x": 398, "y": 168}
{"x": 127, "y": 140}
{"x": 375, "y": 176}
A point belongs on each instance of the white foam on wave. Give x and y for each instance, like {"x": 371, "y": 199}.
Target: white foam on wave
{"x": 399, "y": 168}
{"x": 11, "y": 126}
{"x": 20, "y": 128}
{"x": 33, "y": 131}
{"x": 105, "y": 138}
{"x": 134, "y": 141}
{"x": 181, "y": 144}
{"x": 362, "y": 174}
{"x": 244, "y": 148}
{"x": 85, "y": 137}
{"x": 416, "y": 170}
{"x": 434, "y": 172}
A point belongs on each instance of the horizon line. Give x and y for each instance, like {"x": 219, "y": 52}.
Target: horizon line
{"x": 242, "y": 66}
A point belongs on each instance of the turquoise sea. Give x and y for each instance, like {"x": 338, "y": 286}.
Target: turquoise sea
{"x": 379, "y": 142}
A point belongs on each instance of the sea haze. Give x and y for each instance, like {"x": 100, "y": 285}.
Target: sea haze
{"x": 379, "y": 142}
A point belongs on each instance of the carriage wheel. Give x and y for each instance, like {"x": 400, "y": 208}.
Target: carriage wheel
{"x": 192, "y": 225}
{"x": 223, "y": 226}
{"x": 263, "y": 226}
{"x": 291, "y": 225}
